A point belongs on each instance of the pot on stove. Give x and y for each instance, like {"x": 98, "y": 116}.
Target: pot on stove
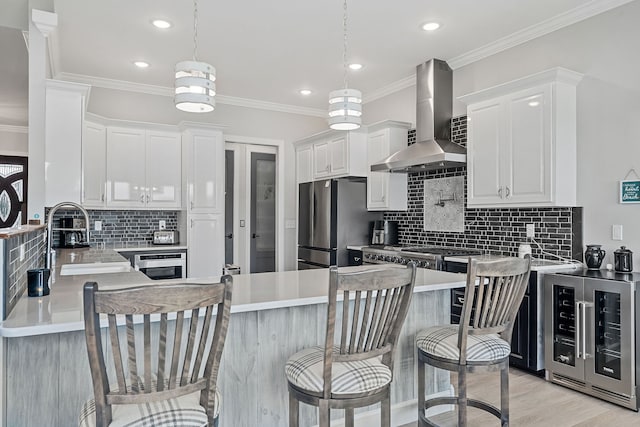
{"x": 623, "y": 260}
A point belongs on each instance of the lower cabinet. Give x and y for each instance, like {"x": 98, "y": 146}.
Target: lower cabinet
{"x": 206, "y": 245}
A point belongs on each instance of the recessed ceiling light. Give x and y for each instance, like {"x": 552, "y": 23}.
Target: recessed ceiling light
{"x": 534, "y": 103}
{"x": 162, "y": 24}
{"x": 141, "y": 64}
{"x": 431, "y": 26}
{"x": 355, "y": 67}
{"x": 305, "y": 92}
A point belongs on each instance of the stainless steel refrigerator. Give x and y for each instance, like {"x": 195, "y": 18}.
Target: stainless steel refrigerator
{"x": 331, "y": 215}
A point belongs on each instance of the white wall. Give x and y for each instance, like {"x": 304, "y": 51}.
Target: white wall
{"x": 14, "y": 143}
{"x": 239, "y": 121}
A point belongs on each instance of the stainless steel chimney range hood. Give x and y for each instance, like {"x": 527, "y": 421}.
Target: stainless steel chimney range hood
{"x": 433, "y": 149}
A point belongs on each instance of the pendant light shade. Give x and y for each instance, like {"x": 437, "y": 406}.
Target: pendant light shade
{"x": 195, "y": 87}
{"x": 345, "y": 105}
{"x": 345, "y": 109}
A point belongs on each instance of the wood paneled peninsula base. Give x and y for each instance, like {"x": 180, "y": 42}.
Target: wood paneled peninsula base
{"x": 273, "y": 316}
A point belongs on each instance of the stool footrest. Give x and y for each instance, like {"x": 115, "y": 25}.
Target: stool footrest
{"x": 453, "y": 400}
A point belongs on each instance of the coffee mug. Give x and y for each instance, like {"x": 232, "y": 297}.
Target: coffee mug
{"x": 38, "y": 282}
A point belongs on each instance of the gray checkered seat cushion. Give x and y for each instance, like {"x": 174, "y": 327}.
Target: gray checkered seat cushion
{"x": 304, "y": 370}
{"x": 442, "y": 342}
{"x": 184, "y": 411}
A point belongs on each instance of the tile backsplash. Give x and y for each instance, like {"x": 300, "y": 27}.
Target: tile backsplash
{"x": 122, "y": 226}
{"x": 498, "y": 231}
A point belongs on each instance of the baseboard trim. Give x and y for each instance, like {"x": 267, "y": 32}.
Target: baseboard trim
{"x": 401, "y": 413}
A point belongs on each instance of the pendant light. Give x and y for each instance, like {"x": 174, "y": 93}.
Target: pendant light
{"x": 195, "y": 87}
{"x": 345, "y": 105}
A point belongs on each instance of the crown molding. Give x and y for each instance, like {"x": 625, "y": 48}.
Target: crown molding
{"x": 44, "y": 21}
{"x": 565, "y": 19}
{"x": 169, "y": 92}
{"x": 389, "y": 89}
{"x": 14, "y": 129}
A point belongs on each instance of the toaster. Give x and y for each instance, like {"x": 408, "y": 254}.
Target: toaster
{"x": 165, "y": 237}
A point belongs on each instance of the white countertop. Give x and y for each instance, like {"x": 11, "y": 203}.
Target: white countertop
{"x": 62, "y": 309}
{"x": 536, "y": 264}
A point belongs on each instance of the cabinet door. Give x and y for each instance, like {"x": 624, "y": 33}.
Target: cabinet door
{"x": 485, "y": 153}
{"x": 163, "y": 169}
{"x": 321, "y": 160}
{"x": 339, "y": 155}
{"x": 206, "y": 173}
{"x": 528, "y": 126}
{"x": 125, "y": 167}
{"x": 520, "y": 336}
{"x": 304, "y": 164}
{"x": 206, "y": 245}
{"x": 94, "y": 167}
{"x": 377, "y": 182}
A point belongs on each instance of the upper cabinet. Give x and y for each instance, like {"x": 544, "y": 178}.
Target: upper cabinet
{"x": 386, "y": 191}
{"x": 64, "y": 114}
{"x": 521, "y": 148}
{"x": 94, "y": 166}
{"x": 144, "y": 168}
{"x": 331, "y": 154}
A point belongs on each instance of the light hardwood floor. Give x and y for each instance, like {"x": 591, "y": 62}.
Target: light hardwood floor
{"x": 535, "y": 402}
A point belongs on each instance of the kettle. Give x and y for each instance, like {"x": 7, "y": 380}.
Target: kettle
{"x": 623, "y": 260}
{"x": 72, "y": 238}
{"x": 594, "y": 256}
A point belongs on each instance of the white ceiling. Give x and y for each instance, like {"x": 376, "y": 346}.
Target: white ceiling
{"x": 266, "y": 51}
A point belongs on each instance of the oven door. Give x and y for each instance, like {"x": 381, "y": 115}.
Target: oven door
{"x": 162, "y": 266}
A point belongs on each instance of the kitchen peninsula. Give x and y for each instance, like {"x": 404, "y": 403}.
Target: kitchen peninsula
{"x": 273, "y": 316}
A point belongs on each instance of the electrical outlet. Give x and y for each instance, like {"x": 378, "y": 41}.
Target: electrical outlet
{"x": 162, "y": 224}
{"x": 97, "y": 225}
{"x": 616, "y": 232}
{"x": 531, "y": 230}
{"x": 22, "y": 251}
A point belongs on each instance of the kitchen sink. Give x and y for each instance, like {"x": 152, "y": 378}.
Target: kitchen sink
{"x": 95, "y": 268}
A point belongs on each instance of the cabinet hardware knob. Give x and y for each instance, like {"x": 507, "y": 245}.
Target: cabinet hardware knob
{"x": 229, "y": 236}
{"x": 191, "y": 204}
{"x": 191, "y": 223}
{"x": 500, "y": 192}
{"x": 148, "y": 198}
{"x": 508, "y": 192}
{"x": 102, "y": 197}
{"x": 142, "y": 198}
{"x": 254, "y": 235}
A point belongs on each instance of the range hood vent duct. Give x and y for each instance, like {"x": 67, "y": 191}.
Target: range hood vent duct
{"x": 433, "y": 149}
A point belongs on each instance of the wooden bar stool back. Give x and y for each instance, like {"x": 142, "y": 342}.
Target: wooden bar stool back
{"x": 354, "y": 367}
{"x": 482, "y": 340}
{"x": 158, "y": 359}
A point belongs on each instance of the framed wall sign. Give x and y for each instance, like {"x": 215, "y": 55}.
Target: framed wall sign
{"x": 630, "y": 191}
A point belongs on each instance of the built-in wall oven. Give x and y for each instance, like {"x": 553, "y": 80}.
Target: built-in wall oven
{"x": 590, "y": 333}
{"x": 161, "y": 265}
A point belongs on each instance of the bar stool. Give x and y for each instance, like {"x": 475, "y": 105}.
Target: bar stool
{"x": 358, "y": 370}
{"x": 163, "y": 379}
{"x": 482, "y": 340}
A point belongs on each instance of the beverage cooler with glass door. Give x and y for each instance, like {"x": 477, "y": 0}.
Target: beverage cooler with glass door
{"x": 590, "y": 327}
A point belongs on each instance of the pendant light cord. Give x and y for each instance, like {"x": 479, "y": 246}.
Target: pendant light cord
{"x": 344, "y": 51}
{"x": 195, "y": 30}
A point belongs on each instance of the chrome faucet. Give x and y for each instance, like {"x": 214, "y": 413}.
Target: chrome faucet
{"x": 63, "y": 205}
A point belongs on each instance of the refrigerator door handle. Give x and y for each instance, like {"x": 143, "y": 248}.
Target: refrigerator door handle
{"x": 578, "y": 329}
{"x": 585, "y": 305}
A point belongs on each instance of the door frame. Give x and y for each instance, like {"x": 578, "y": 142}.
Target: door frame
{"x": 280, "y": 212}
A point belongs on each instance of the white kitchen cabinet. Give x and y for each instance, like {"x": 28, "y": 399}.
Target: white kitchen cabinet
{"x": 143, "y": 168}
{"x": 94, "y": 166}
{"x": 386, "y": 191}
{"x": 206, "y": 257}
{"x": 333, "y": 154}
{"x": 64, "y": 114}
{"x": 304, "y": 164}
{"x": 521, "y": 148}
{"x": 204, "y": 166}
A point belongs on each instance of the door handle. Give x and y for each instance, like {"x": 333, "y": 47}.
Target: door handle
{"x": 584, "y": 328}
{"x": 578, "y": 332}
{"x": 254, "y": 235}
{"x": 229, "y": 236}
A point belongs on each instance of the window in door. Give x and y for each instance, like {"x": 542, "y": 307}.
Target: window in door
{"x": 13, "y": 191}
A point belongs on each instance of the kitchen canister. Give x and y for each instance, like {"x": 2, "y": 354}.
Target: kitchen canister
{"x": 38, "y": 282}
{"x": 623, "y": 260}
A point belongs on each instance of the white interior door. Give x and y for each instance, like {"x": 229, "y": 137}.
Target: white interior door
{"x": 243, "y": 201}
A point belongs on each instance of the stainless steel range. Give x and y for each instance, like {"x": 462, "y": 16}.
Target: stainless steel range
{"x": 424, "y": 256}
